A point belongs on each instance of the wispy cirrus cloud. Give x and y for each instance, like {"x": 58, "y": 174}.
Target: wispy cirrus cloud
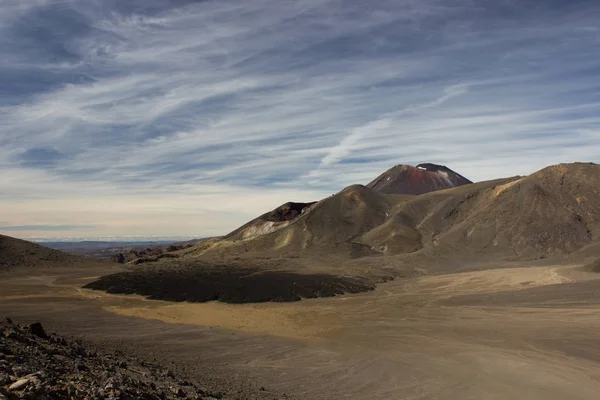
{"x": 184, "y": 117}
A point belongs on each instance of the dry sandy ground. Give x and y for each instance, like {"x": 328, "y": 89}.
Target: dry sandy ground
{"x": 518, "y": 333}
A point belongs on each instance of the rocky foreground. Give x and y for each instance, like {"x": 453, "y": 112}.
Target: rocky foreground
{"x": 37, "y": 365}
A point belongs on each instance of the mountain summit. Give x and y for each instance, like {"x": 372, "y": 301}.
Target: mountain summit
{"x": 424, "y": 178}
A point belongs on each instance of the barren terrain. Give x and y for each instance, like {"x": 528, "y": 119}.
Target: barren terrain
{"x": 520, "y": 332}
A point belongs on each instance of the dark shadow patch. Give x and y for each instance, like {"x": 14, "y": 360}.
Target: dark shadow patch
{"x": 226, "y": 284}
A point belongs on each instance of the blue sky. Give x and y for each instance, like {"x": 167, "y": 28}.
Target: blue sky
{"x": 175, "y": 118}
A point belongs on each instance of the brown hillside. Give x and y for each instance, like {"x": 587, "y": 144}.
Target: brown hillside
{"x": 333, "y": 223}
{"x": 341, "y": 217}
{"x": 17, "y": 253}
{"x": 552, "y": 212}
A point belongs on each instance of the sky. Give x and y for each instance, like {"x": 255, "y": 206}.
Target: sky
{"x": 155, "y": 118}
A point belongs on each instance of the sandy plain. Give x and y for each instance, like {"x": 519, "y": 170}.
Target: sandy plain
{"x": 529, "y": 332}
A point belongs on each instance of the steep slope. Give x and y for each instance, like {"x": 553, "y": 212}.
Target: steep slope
{"x": 417, "y": 222}
{"x": 551, "y": 212}
{"x": 341, "y": 217}
{"x": 332, "y": 223}
{"x": 17, "y": 253}
{"x": 424, "y": 178}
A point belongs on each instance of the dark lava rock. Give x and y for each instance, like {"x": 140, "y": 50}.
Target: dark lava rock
{"x": 226, "y": 284}
{"x": 149, "y": 254}
{"x": 119, "y": 258}
{"x": 38, "y": 330}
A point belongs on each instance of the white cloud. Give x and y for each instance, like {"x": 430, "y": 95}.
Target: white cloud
{"x": 347, "y": 144}
{"x": 193, "y": 119}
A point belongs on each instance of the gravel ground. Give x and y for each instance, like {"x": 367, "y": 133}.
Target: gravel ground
{"x": 37, "y": 365}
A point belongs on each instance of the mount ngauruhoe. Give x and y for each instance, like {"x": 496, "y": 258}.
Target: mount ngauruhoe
{"x": 424, "y": 178}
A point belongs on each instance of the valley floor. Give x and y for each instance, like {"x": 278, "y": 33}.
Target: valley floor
{"x": 517, "y": 333}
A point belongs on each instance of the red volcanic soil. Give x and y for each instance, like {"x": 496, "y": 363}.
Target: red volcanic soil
{"x": 424, "y": 178}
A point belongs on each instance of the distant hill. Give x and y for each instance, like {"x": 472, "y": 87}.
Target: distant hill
{"x": 550, "y": 213}
{"x": 424, "y": 178}
{"x": 122, "y": 251}
{"x": 17, "y": 253}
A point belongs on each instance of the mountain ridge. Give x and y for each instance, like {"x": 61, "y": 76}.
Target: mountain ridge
{"x": 550, "y": 213}
{"x": 544, "y": 214}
